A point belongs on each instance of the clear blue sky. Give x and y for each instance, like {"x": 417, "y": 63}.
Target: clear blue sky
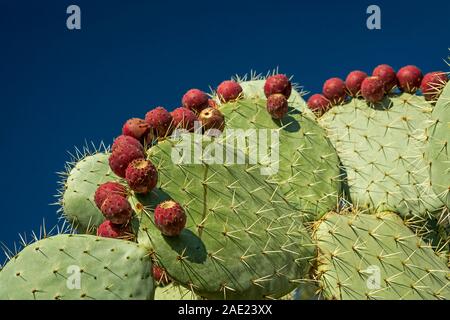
{"x": 59, "y": 88}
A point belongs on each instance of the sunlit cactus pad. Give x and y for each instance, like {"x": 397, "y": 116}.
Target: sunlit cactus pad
{"x": 383, "y": 152}
{"x": 242, "y": 239}
{"x": 108, "y": 269}
{"x": 77, "y": 202}
{"x": 440, "y": 147}
{"x": 376, "y": 257}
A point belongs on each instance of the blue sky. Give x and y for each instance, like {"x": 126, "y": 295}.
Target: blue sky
{"x": 60, "y": 88}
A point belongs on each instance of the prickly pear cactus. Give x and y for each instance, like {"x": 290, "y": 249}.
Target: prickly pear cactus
{"x": 383, "y": 152}
{"x": 308, "y": 166}
{"x": 439, "y": 147}
{"x": 243, "y": 240}
{"x": 363, "y": 256}
{"x": 107, "y": 269}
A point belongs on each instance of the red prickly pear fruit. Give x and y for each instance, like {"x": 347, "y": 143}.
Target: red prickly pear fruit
{"x": 212, "y": 119}
{"x": 170, "y": 218}
{"x": 107, "y": 189}
{"x": 319, "y": 104}
{"x": 334, "y": 90}
{"x": 387, "y": 75}
{"x": 136, "y": 128}
{"x": 124, "y": 140}
{"x": 195, "y": 100}
{"x": 353, "y": 82}
{"x": 409, "y": 78}
{"x": 117, "y": 209}
{"x": 229, "y": 90}
{"x": 160, "y": 275}
{"x": 212, "y": 104}
{"x": 432, "y": 83}
{"x": 184, "y": 118}
{"x": 278, "y": 83}
{"x": 160, "y": 121}
{"x": 110, "y": 230}
{"x": 372, "y": 89}
{"x": 141, "y": 176}
{"x": 121, "y": 157}
{"x": 277, "y": 106}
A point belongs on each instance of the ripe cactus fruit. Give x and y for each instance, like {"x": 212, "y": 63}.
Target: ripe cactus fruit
{"x": 319, "y": 104}
{"x": 334, "y": 90}
{"x": 184, "y": 118}
{"x": 432, "y": 85}
{"x": 160, "y": 276}
{"x": 212, "y": 104}
{"x": 212, "y": 119}
{"x": 141, "y": 176}
{"x": 383, "y": 152}
{"x": 439, "y": 149}
{"x": 117, "y": 209}
{"x": 387, "y": 75}
{"x": 277, "y": 106}
{"x": 108, "y": 268}
{"x": 122, "y": 156}
{"x": 124, "y": 140}
{"x": 278, "y": 83}
{"x": 229, "y": 90}
{"x": 160, "y": 121}
{"x": 372, "y": 89}
{"x": 110, "y": 230}
{"x": 409, "y": 78}
{"x": 80, "y": 183}
{"x": 170, "y": 218}
{"x": 136, "y": 128}
{"x": 106, "y": 189}
{"x": 195, "y": 100}
{"x": 362, "y": 256}
{"x": 353, "y": 82}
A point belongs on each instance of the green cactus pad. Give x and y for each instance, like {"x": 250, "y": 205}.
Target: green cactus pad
{"x": 309, "y": 173}
{"x": 383, "y": 151}
{"x": 439, "y": 152}
{"x": 108, "y": 269}
{"x": 242, "y": 239}
{"x": 376, "y": 257}
{"x": 78, "y": 205}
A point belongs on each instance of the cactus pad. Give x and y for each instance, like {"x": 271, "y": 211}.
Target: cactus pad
{"x": 376, "y": 257}
{"x": 440, "y": 148}
{"x": 308, "y": 164}
{"x": 242, "y": 239}
{"x": 78, "y": 204}
{"x": 383, "y": 151}
{"x": 108, "y": 269}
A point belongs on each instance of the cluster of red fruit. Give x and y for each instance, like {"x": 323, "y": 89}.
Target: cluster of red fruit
{"x": 373, "y": 89}
{"x": 277, "y": 90}
{"x": 128, "y": 158}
